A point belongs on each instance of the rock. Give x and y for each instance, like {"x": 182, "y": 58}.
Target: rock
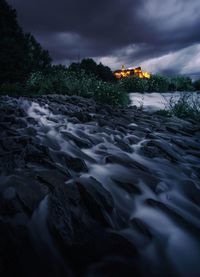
{"x": 129, "y": 187}
{"x": 51, "y": 142}
{"x": 112, "y": 267}
{"x": 165, "y": 149}
{"x": 123, "y": 145}
{"x": 83, "y": 143}
{"x": 141, "y": 227}
{"x": 97, "y": 199}
{"x": 52, "y": 178}
{"x": 30, "y": 194}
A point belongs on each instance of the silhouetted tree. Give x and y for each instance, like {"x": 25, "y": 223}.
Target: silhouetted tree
{"x": 19, "y": 54}
{"x": 90, "y": 67}
{"x": 105, "y": 73}
{"x": 12, "y": 46}
{"x": 38, "y": 58}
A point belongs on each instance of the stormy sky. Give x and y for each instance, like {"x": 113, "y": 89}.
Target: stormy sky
{"x": 159, "y": 35}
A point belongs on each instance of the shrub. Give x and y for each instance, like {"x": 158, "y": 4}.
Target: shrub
{"x": 186, "y": 106}
{"x": 180, "y": 83}
{"x": 158, "y": 83}
{"x": 134, "y": 84}
{"x": 71, "y": 83}
{"x": 90, "y": 67}
{"x": 197, "y": 85}
{"x": 12, "y": 89}
{"x": 113, "y": 94}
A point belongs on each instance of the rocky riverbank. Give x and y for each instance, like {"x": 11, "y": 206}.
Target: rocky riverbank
{"x": 88, "y": 190}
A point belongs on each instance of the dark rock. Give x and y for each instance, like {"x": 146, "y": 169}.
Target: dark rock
{"x": 83, "y": 143}
{"x": 129, "y": 187}
{"x": 114, "y": 267}
{"x": 96, "y": 198}
{"x": 141, "y": 227}
{"x": 123, "y": 145}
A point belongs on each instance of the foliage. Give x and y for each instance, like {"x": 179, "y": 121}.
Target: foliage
{"x": 90, "y": 67}
{"x": 197, "y": 85}
{"x": 163, "y": 113}
{"x": 158, "y": 83}
{"x": 180, "y": 83}
{"x": 38, "y": 58}
{"x": 60, "y": 80}
{"x": 186, "y": 106}
{"x": 12, "y": 46}
{"x": 11, "y": 89}
{"x": 113, "y": 94}
{"x": 134, "y": 84}
{"x": 19, "y": 54}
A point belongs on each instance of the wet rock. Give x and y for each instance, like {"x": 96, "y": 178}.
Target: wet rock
{"x": 93, "y": 224}
{"x": 191, "y": 191}
{"x": 125, "y": 160}
{"x": 30, "y": 193}
{"x": 9, "y": 204}
{"x": 129, "y": 187}
{"x": 83, "y": 117}
{"x": 30, "y": 131}
{"x": 83, "y": 143}
{"x": 123, "y": 145}
{"x": 96, "y": 198}
{"x": 113, "y": 266}
{"x": 51, "y": 142}
{"x": 52, "y": 178}
{"x": 166, "y": 149}
{"x": 141, "y": 227}
{"x": 162, "y": 187}
{"x": 33, "y": 154}
{"x": 75, "y": 164}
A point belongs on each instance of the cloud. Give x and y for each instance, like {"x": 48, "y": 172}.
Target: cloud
{"x": 117, "y": 31}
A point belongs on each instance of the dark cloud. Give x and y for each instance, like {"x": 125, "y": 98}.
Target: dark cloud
{"x": 123, "y": 31}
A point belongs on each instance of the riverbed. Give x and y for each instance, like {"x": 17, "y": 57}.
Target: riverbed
{"x": 90, "y": 190}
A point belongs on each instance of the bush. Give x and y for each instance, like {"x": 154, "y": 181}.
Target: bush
{"x": 112, "y": 94}
{"x": 181, "y": 83}
{"x": 90, "y": 67}
{"x": 12, "y": 89}
{"x": 197, "y": 85}
{"x": 71, "y": 83}
{"x": 158, "y": 83}
{"x": 186, "y": 106}
{"x": 134, "y": 84}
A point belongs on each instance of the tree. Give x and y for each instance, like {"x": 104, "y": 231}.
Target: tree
{"x": 90, "y": 67}
{"x": 12, "y": 46}
{"x": 105, "y": 73}
{"x": 38, "y": 59}
{"x": 20, "y": 54}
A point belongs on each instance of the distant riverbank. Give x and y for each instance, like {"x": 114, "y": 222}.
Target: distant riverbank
{"x": 155, "y": 101}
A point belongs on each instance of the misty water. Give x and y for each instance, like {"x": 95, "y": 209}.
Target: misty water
{"x": 149, "y": 168}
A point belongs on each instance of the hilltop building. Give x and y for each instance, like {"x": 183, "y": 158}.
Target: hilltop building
{"x": 136, "y": 72}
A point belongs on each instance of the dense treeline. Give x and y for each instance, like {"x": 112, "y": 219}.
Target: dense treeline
{"x": 90, "y": 67}
{"x": 158, "y": 83}
{"x": 20, "y": 54}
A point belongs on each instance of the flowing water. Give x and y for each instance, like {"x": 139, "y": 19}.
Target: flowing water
{"x": 151, "y": 172}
